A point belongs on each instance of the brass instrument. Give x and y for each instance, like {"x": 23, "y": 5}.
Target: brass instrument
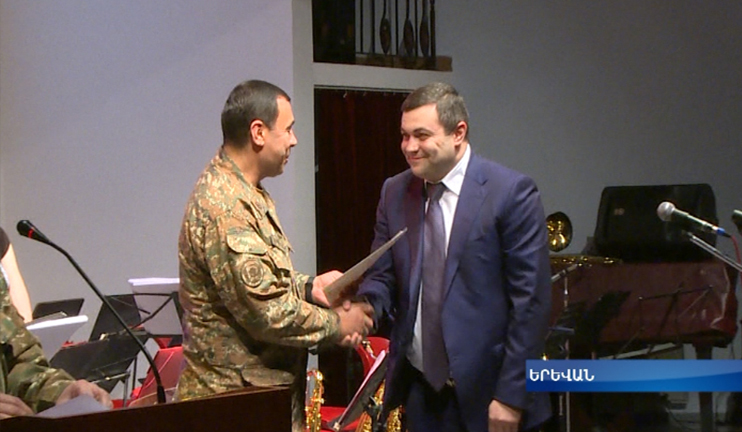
{"x": 315, "y": 389}
{"x": 559, "y": 230}
{"x": 393, "y": 421}
{"x": 559, "y": 234}
{"x": 582, "y": 260}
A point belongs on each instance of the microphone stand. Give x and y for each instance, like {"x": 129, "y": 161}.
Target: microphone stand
{"x": 713, "y": 251}
{"x": 562, "y": 273}
{"x": 150, "y": 360}
{"x": 564, "y": 413}
{"x": 704, "y": 398}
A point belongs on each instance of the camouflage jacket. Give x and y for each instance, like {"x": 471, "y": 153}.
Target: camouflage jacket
{"x": 24, "y": 371}
{"x": 246, "y": 321}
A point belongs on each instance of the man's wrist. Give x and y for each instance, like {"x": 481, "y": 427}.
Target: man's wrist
{"x": 308, "y": 286}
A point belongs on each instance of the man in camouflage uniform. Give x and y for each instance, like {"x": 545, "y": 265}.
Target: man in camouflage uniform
{"x": 249, "y": 317}
{"x": 27, "y": 383}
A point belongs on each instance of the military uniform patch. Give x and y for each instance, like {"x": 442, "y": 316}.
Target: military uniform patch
{"x": 252, "y": 272}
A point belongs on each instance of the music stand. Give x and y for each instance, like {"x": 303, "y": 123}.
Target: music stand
{"x": 106, "y": 323}
{"x": 104, "y": 362}
{"x": 558, "y": 335}
{"x": 158, "y": 305}
{"x": 69, "y": 307}
{"x": 53, "y": 333}
{"x": 595, "y": 319}
{"x": 363, "y": 400}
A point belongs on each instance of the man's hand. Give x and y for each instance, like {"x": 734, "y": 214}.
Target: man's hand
{"x": 319, "y": 284}
{"x": 82, "y": 387}
{"x": 503, "y": 418}
{"x": 11, "y": 406}
{"x": 356, "y": 320}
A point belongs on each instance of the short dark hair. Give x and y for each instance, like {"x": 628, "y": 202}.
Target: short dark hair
{"x": 449, "y": 104}
{"x": 249, "y": 101}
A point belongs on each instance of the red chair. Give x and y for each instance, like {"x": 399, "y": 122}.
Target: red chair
{"x": 169, "y": 362}
{"x": 368, "y": 351}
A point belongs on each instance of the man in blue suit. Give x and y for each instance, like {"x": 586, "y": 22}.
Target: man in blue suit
{"x": 492, "y": 277}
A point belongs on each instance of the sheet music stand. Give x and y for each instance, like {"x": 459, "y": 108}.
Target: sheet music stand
{"x": 104, "y": 362}
{"x": 364, "y": 400}
{"x": 158, "y": 305}
{"x": 106, "y": 323}
{"x": 121, "y": 353}
{"x": 70, "y": 307}
{"x": 595, "y": 319}
{"x": 53, "y": 333}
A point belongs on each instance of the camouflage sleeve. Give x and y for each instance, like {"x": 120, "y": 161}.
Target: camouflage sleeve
{"x": 301, "y": 281}
{"x": 28, "y": 375}
{"x": 256, "y": 281}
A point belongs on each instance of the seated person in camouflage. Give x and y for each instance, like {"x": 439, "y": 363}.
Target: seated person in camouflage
{"x": 17, "y": 287}
{"x": 248, "y": 316}
{"x": 27, "y": 383}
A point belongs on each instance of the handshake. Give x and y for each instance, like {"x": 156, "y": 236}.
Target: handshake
{"x": 356, "y": 321}
{"x": 356, "y": 318}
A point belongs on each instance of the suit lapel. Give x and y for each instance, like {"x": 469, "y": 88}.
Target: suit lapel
{"x": 470, "y": 201}
{"x": 414, "y": 214}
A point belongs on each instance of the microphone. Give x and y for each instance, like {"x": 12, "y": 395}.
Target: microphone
{"x": 27, "y": 229}
{"x": 667, "y": 212}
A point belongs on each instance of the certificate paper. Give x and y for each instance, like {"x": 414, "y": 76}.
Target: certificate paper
{"x": 336, "y": 290}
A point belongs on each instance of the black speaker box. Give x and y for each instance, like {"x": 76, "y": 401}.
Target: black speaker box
{"x": 628, "y": 226}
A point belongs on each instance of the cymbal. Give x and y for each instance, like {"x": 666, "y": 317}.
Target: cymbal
{"x": 567, "y": 259}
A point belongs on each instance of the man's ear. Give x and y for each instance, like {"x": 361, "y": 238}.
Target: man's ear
{"x": 257, "y": 132}
{"x": 459, "y": 133}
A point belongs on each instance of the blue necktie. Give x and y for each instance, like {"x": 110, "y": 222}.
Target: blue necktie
{"x": 435, "y": 360}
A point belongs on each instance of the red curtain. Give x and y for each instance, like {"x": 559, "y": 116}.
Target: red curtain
{"x": 357, "y": 141}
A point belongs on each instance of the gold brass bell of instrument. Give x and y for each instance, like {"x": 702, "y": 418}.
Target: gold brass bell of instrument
{"x": 559, "y": 231}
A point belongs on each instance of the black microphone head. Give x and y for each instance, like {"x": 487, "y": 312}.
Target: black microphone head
{"x": 27, "y": 229}
{"x": 664, "y": 211}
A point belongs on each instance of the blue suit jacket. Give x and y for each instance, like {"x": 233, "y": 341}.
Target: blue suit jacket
{"x": 497, "y": 277}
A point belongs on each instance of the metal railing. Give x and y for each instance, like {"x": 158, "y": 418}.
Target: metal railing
{"x": 394, "y": 33}
{"x": 398, "y": 28}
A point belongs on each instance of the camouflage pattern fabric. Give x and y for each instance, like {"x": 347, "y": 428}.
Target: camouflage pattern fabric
{"x": 24, "y": 371}
{"x": 245, "y": 319}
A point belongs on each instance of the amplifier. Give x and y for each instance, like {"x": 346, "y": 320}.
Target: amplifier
{"x": 628, "y": 226}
